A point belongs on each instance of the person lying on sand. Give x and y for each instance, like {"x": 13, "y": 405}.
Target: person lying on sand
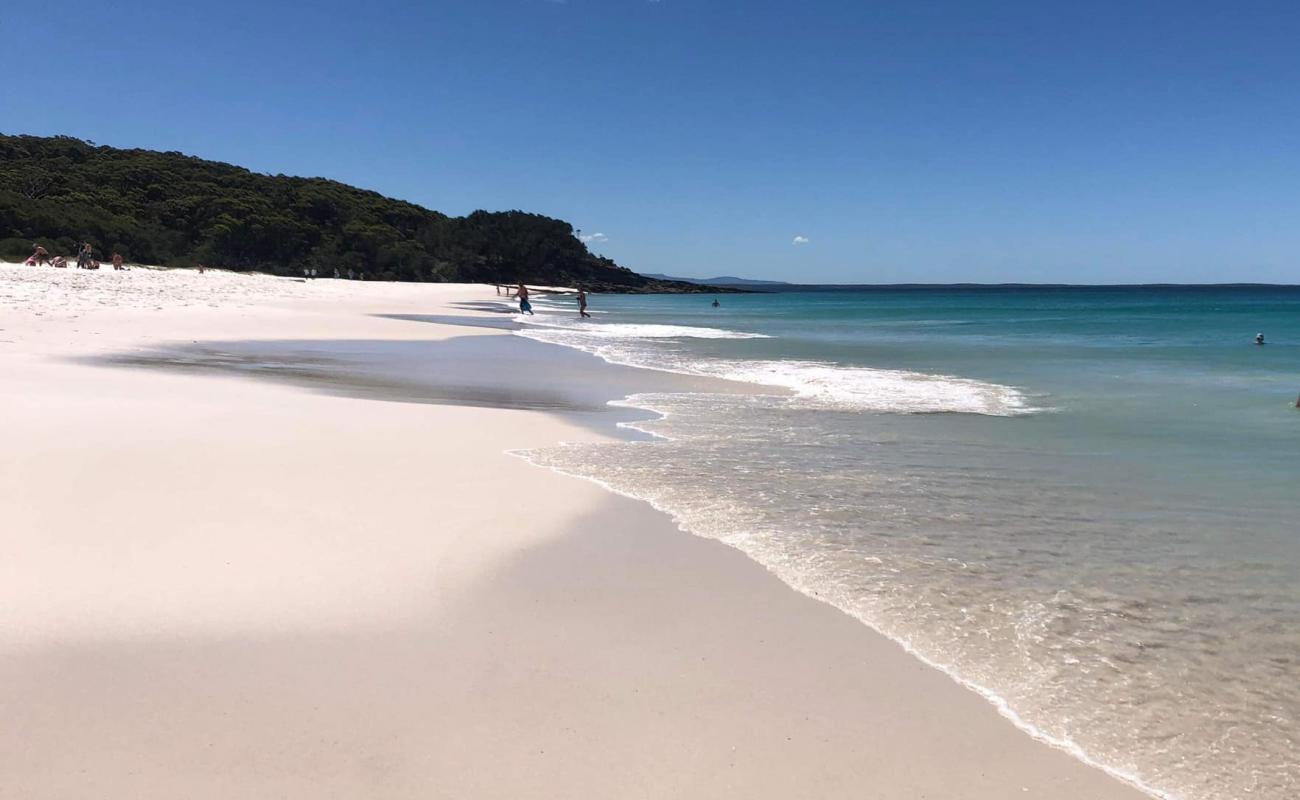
{"x": 59, "y": 262}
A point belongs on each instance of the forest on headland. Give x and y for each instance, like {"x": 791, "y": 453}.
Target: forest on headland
{"x": 175, "y": 210}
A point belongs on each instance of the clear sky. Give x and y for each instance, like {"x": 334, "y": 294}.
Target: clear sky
{"x": 900, "y": 141}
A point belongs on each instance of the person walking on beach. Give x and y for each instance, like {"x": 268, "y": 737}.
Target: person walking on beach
{"x": 525, "y": 307}
{"x": 582, "y": 303}
{"x": 117, "y": 261}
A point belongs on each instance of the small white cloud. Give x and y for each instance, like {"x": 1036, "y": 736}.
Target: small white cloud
{"x": 800, "y": 240}
{"x": 594, "y": 237}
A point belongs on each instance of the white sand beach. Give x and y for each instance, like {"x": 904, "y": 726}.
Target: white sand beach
{"x": 226, "y": 587}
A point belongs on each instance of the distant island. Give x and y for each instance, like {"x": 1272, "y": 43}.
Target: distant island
{"x": 722, "y": 280}
{"x": 175, "y": 210}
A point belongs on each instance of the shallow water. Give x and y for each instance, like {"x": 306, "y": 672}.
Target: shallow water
{"x": 1079, "y": 501}
{"x": 488, "y": 371}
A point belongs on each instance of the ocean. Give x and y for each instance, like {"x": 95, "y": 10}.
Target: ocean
{"x": 1083, "y": 503}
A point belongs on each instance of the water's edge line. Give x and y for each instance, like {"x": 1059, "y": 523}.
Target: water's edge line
{"x": 994, "y": 699}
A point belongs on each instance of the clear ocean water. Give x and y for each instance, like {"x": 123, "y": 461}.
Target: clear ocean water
{"x": 1083, "y": 503}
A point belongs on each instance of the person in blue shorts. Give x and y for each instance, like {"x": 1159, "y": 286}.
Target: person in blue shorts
{"x": 525, "y": 307}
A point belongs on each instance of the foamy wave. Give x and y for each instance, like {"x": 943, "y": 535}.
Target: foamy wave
{"x": 813, "y": 384}
{"x": 899, "y": 391}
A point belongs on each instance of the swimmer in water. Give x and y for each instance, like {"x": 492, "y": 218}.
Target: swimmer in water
{"x": 716, "y": 303}
{"x": 1259, "y": 338}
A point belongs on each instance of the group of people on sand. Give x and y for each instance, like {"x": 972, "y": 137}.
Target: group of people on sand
{"x": 85, "y": 258}
{"x": 525, "y": 307}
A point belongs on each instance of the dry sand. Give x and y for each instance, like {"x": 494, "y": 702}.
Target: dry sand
{"x": 222, "y": 587}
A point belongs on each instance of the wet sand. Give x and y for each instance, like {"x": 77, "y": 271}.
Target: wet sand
{"x": 486, "y": 371}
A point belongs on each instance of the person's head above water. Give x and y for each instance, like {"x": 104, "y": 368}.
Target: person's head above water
{"x": 1259, "y": 338}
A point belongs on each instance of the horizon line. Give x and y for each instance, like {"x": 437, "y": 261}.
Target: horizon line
{"x": 758, "y": 285}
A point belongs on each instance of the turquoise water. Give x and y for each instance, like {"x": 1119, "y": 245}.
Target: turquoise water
{"x": 1081, "y": 502}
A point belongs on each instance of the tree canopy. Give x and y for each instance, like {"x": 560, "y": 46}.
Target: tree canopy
{"x": 176, "y": 210}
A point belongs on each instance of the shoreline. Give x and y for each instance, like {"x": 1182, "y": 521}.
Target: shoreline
{"x": 996, "y": 701}
{"x": 999, "y": 703}
{"x": 696, "y": 646}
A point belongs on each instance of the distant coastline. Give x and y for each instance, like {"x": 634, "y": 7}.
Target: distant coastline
{"x": 763, "y": 285}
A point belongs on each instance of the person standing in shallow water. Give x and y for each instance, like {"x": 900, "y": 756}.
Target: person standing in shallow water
{"x": 582, "y": 302}
{"x": 525, "y": 307}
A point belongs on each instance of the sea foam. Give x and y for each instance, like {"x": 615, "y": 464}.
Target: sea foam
{"x": 812, "y": 384}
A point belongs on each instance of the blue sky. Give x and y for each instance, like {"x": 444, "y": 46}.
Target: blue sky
{"x": 904, "y": 141}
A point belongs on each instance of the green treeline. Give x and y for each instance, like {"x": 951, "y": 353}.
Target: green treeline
{"x": 176, "y": 210}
